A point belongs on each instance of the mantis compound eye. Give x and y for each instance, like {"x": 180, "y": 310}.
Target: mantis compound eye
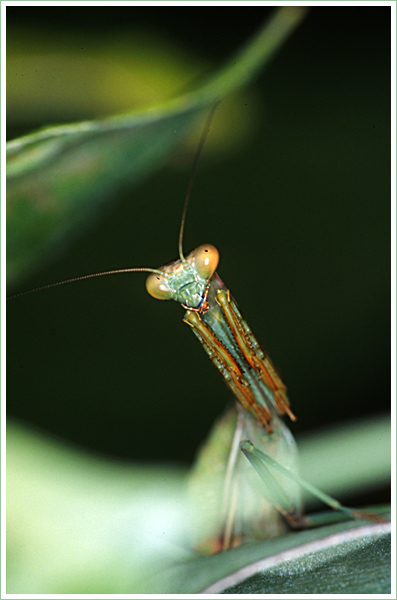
{"x": 157, "y": 287}
{"x": 206, "y": 260}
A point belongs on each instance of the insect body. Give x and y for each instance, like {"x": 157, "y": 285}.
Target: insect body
{"x": 216, "y": 321}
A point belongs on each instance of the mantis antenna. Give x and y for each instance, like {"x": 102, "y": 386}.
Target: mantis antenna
{"x": 50, "y": 285}
{"x": 192, "y": 178}
{"x": 140, "y": 269}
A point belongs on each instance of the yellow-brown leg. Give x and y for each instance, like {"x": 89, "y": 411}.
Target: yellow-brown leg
{"x": 253, "y": 353}
{"x": 228, "y": 367}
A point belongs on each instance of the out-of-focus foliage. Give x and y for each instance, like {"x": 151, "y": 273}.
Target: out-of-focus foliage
{"x": 58, "y": 178}
{"x": 79, "y": 524}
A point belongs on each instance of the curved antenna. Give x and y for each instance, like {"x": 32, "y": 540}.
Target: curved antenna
{"x": 50, "y": 285}
{"x": 192, "y": 178}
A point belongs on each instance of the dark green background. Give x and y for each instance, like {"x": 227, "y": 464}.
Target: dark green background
{"x": 301, "y": 218}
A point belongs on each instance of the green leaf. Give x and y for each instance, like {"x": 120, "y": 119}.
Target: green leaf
{"x": 80, "y": 524}
{"x": 343, "y": 559}
{"x": 356, "y": 455}
{"x": 59, "y": 178}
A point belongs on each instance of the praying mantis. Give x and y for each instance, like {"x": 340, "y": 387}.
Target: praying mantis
{"x": 215, "y": 319}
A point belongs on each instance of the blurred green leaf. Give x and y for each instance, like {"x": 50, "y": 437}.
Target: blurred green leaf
{"x": 354, "y": 456}
{"x": 59, "y": 178}
{"x": 80, "y": 524}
